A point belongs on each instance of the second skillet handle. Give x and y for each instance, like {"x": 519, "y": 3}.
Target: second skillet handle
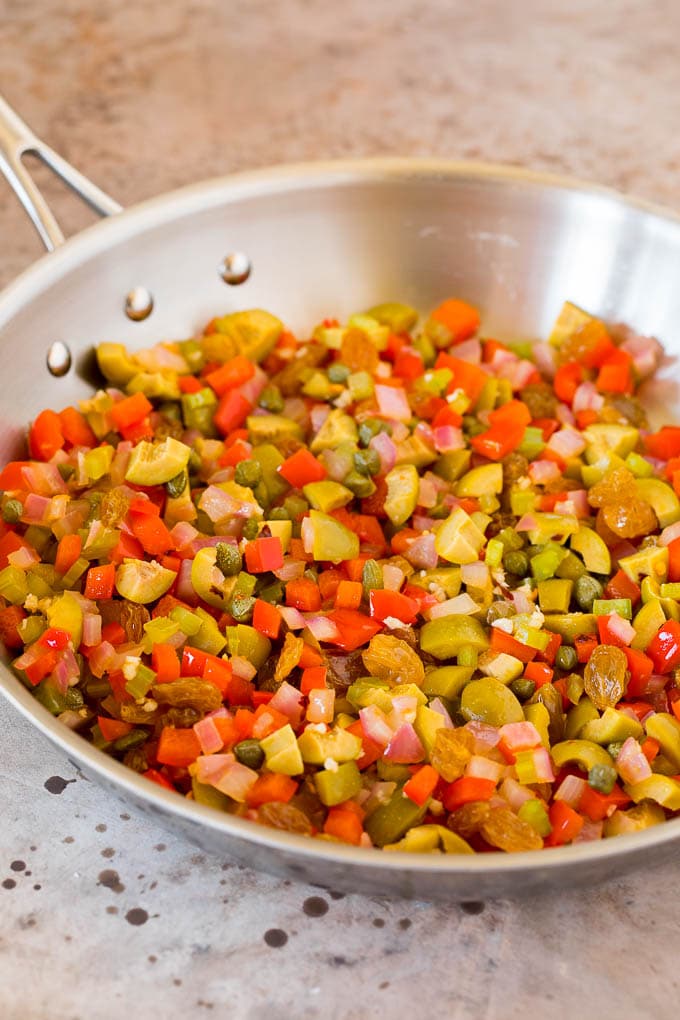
{"x": 17, "y": 139}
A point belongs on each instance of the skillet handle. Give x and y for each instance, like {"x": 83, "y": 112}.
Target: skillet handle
{"x": 17, "y": 139}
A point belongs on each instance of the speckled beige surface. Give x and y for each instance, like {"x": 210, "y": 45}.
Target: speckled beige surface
{"x": 102, "y": 913}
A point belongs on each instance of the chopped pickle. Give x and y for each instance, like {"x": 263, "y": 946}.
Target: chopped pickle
{"x": 157, "y": 463}
{"x": 402, "y": 493}
{"x": 443, "y": 638}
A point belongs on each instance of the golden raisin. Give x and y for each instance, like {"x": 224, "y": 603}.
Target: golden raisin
{"x": 289, "y": 657}
{"x": 468, "y": 819}
{"x": 615, "y": 487}
{"x": 629, "y": 519}
{"x": 284, "y": 816}
{"x": 358, "y": 353}
{"x": 188, "y": 693}
{"x": 504, "y": 830}
{"x": 605, "y": 676}
{"x": 451, "y": 752}
{"x": 113, "y": 507}
{"x": 390, "y": 658}
{"x": 584, "y": 341}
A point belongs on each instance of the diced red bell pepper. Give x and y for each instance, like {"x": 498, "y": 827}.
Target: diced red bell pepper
{"x": 664, "y": 648}
{"x": 303, "y": 594}
{"x": 568, "y": 378}
{"x": 421, "y": 785}
{"x": 55, "y": 638}
{"x": 384, "y": 603}
{"x": 269, "y": 788}
{"x": 467, "y": 376}
{"x": 466, "y": 790}
{"x": 355, "y": 628}
{"x": 641, "y": 668}
{"x": 616, "y": 373}
{"x": 620, "y": 586}
{"x": 232, "y": 373}
{"x": 41, "y": 668}
{"x": 264, "y": 554}
{"x": 10, "y": 618}
{"x": 130, "y": 411}
{"x": 232, "y": 411}
{"x": 100, "y": 581}
{"x": 301, "y": 468}
{"x": 343, "y": 825}
{"x": 313, "y": 678}
{"x": 460, "y": 318}
{"x": 598, "y": 806}
{"x": 12, "y": 477}
{"x": 75, "y": 428}
{"x": 152, "y": 533}
{"x": 674, "y": 560}
{"x": 177, "y": 747}
{"x": 9, "y": 543}
{"x": 584, "y": 646}
{"x": 266, "y": 619}
{"x": 193, "y": 661}
{"x": 68, "y": 551}
{"x": 566, "y": 824}
{"x": 540, "y": 672}
{"x": 502, "y": 642}
{"x": 371, "y": 750}
{"x": 128, "y": 548}
{"x": 348, "y": 595}
{"x": 158, "y": 778}
{"x": 665, "y": 443}
{"x": 45, "y": 436}
{"x": 113, "y": 729}
{"x": 165, "y": 663}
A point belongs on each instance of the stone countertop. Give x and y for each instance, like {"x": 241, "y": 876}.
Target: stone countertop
{"x": 104, "y": 912}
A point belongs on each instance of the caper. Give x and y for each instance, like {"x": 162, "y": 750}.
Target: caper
{"x": 241, "y": 608}
{"x": 565, "y": 657}
{"x": 12, "y": 511}
{"x": 74, "y": 699}
{"x": 271, "y": 399}
{"x": 586, "y": 590}
{"x": 278, "y": 513}
{"x": 371, "y": 427}
{"x": 176, "y": 486}
{"x": 516, "y": 562}
{"x": 228, "y": 559}
{"x": 522, "y": 688}
{"x": 337, "y": 372}
{"x": 250, "y": 753}
{"x": 272, "y": 593}
{"x": 367, "y": 462}
{"x": 360, "y": 485}
{"x": 248, "y": 473}
{"x": 602, "y": 778}
{"x": 251, "y": 529}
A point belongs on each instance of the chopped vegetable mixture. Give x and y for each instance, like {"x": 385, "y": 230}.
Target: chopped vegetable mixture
{"x": 396, "y": 585}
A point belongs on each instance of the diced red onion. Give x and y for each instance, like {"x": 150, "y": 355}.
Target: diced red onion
{"x": 438, "y": 706}
{"x": 29, "y": 656}
{"x": 481, "y": 767}
{"x": 43, "y": 479}
{"x": 570, "y": 790}
{"x": 422, "y": 523}
{"x": 393, "y": 577}
{"x": 587, "y": 398}
{"x": 543, "y": 765}
{"x": 210, "y": 542}
{"x": 290, "y": 570}
{"x": 646, "y": 351}
{"x": 518, "y": 373}
{"x": 183, "y": 534}
{"x": 669, "y": 534}
{"x": 292, "y": 617}
{"x": 527, "y": 522}
{"x": 24, "y": 557}
{"x": 475, "y": 574}
{"x": 448, "y": 438}
{"x": 322, "y": 628}
{"x": 564, "y": 415}
{"x": 501, "y": 358}
{"x": 252, "y": 388}
{"x": 631, "y": 763}
{"x": 208, "y": 736}
{"x": 288, "y": 701}
{"x": 393, "y": 403}
{"x": 101, "y": 658}
{"x": 486, "y": 736}
{"x": 470, "y": 350}
{"x": 421, "y": 552}
{"x": 92, "y": 629}
{"x": 211, "y": 767}
{"x": 427, "y": 494}
{"x": 405, "y": 746}
{"x": 66, "y": 671}
{"x": 318, "y": 415}
{"x": 185, "y": 590}
{"x": 220, "y": 505}
{"x": 321, "y": 705}
{"x": 387, "y": 451}
{"x": 242, "y": 668}
{"x": 520, "y": 736}
{"x": 296, "y": 409}
{"x": 620, "y": 628}
{"x": 543, "y": 471}
{"x": 566, "y": 443}
{"x": 307, "y": 534}
{"x": 375, "y": 725}
{"x": 590, "y": 831}
{"x": 119, "y": 464}
{"x": 400, "y": 431}
{"x": 36, "y": 509}
{"x": 459, "y": 605}
{"x": 544, "y": 358}
{"x": 514, "y": 793}
{"x": 236, "y": 782}
{"x": 71, "y": 521}
{"x": 521, "y": 601}
{"x": 404, "y": 708}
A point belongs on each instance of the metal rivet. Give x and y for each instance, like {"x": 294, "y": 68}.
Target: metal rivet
{"x": 138, "y": 304}
{"x": 235, "y": 268}
{"x": 58, "y": 358}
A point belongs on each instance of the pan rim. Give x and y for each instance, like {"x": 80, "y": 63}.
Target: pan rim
{"x": 231, "y": 188}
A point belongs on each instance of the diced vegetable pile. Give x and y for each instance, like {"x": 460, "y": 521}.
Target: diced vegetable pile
{"x": 396, "y": 585}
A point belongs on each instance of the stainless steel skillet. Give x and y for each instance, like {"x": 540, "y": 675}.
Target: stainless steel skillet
{"x": 328, "y": 239}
